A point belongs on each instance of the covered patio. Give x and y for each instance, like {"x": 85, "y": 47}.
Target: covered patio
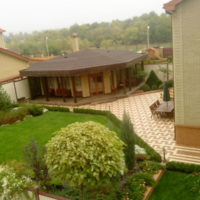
{"x": 86, "y": 73}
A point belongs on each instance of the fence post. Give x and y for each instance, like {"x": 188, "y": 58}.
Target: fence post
{"x": 37, "y": 194}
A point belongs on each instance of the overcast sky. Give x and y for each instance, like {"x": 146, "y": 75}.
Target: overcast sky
{"x": 31, "y": 15}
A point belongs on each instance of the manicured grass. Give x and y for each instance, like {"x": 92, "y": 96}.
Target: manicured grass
{"x": 175, "y": 186}
{"x": 13, "y": 138}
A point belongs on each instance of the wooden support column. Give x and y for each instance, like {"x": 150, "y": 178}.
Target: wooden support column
{"x": 124, "y": 82}
{"x": 45, "y": 87}
{"x": 63, "y": 88}
{"x": 129, "y": 78}
{"x": 142, "y": 65}
{"x": 112, "y": 82}
{"x": 74, "y": 88}
{"x": 135, "y": 68}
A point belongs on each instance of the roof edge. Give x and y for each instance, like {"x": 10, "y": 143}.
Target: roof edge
{"x": 12, "y": 53}
{"x": 171, "y": 6}
{"x": 8, "y": 79}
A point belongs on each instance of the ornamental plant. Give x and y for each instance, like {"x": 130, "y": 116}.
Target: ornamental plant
{"x": 13, "y": 185}
{"x": 128, "y": 137}
{"x": 5, "y": 101}
{"x": 85, "y": 154}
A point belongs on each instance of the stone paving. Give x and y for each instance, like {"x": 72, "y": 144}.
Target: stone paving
{"x": 159, "y": 133}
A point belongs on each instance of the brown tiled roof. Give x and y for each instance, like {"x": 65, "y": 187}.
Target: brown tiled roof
{"x": 84, "y": 61}
{"x": 171, "y": 6}
{"x": 12, "y": 53}
{"x": 1, "y": 30}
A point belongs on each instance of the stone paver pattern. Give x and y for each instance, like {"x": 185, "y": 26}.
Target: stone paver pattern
{"x": 158, "y": 133}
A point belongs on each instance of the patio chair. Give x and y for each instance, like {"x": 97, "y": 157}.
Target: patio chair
{"x": 153, "y": 110}
{"x": 157, "y": 102}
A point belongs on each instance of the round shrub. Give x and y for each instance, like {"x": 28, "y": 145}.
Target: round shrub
{"x": 145, "y": 88}
{"x": 35, "y": 110}
{"x": 85, "y": 153}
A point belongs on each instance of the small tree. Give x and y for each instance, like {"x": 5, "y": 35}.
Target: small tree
{"x": 85, "y": 154}
{"x": 5, "y": 101}
{"x": 127, "y": 136}
{"x": 34, "y": 157}
{"x": 153, "y": 80}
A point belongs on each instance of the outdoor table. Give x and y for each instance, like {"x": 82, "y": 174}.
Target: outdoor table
{"x": 166, "y": 108}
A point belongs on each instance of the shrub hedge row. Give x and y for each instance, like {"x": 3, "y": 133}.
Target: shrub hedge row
{"x": 183, "y": 167}
{"x": 150, "y": 151}
{"x": 9, "y": 117}
{"x": 57, "y": 108}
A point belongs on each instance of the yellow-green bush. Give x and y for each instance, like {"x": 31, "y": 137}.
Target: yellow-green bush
{"x": 85, "y": 153}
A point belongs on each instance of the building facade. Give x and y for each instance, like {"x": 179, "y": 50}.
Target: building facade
{"x": 186, "y": 44}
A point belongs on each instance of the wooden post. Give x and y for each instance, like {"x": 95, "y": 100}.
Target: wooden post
{"x": 74, "y": 88}
{"x": 129, "y": 78}
{"x": 37, "y": 193}
{"x": 112, "y": 81}
{"x": 135, "y": 68}
{"x": 142, "y": 65}
{"x": 45, "y": 87}
{"x": 63, "y": 89}
{"x": 124, "y": 81}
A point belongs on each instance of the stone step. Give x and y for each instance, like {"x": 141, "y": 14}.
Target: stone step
{"x": 177, "y": 159}
{"x": 185, "y": 158}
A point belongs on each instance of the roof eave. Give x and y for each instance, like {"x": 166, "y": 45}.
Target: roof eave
{"x": 79, "y": 72}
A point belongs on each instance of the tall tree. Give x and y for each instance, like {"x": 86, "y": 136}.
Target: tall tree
{"x": 127, "y": 136}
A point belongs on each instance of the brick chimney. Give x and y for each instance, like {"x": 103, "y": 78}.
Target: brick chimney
{"x": 2, "y": 43}
{"x": 75, "y": 42}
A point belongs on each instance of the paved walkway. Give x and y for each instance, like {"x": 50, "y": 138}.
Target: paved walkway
{"x": 159, "y": 133}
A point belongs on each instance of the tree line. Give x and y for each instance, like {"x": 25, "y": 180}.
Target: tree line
{"x": 126, "y": 34}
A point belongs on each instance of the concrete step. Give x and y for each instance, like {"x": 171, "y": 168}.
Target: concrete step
{"x": 186, "y": 154}
{"x": 184, "y": 160}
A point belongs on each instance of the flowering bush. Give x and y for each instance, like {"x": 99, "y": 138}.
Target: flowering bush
{"x": 12, "y": 185}
{"x": 85, "y": 153}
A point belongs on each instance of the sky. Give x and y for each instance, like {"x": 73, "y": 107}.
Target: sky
{"x": 37, "y": 15}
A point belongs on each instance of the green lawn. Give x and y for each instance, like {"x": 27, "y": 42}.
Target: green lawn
{"x": 13, "y": 138}
{"x": 175, "y": 186}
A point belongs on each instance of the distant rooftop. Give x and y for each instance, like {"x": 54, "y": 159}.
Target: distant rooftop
{"x": 1, "y": 30}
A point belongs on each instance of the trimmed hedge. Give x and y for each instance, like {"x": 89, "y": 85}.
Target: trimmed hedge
{"x": 57, "y": 108}
{"x": 150, "y": 151}
{"x": 34, "y": 110}
{"x": 108, "y": 114}
{"x": 183, "y": 167}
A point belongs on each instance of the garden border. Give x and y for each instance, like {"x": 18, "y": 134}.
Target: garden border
{"x": 150, "y": 190}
